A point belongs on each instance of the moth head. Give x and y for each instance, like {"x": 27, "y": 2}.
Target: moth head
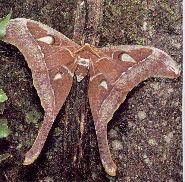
{"x": 167, "y": 67}
{"x": 86, "y": 50}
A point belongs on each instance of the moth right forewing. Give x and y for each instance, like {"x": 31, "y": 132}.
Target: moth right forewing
{"x": 115, "y": 62}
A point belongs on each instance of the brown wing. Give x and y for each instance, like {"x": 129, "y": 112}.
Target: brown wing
{"x": 133, "y": 64}
{"x": 49, "y": 56}
{"x": 118, "y": 70}
{"x": 104, "y": 100}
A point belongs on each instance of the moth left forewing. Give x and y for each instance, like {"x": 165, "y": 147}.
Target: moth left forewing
{"x": 158, "y": 64}
{"x": 124, "y": 67}
{"x": 138, "y": 64}
{"x": 114, "y": 63}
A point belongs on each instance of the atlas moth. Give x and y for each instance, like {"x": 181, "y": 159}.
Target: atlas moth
{"x": 114, "y": 71}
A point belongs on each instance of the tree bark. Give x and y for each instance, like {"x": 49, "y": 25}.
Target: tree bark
{"x": 80, "y": 151}
{"x": 88, "y": 21}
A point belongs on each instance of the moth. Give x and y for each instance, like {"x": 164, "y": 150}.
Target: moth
{"x": 114, "y": 71}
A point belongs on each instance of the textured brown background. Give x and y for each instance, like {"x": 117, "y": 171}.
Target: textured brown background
{"x": 145, "y": 134}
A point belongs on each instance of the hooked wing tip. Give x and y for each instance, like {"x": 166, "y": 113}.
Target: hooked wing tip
{"x": 171, "y": 71}
{"x": 165, "y": 65}
{"x": 111, "y": 170}
{"x": 175, "y": 70}
{"x": 30, "y": 158}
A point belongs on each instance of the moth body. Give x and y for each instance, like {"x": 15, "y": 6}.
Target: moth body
{"x": 82, "y": 68}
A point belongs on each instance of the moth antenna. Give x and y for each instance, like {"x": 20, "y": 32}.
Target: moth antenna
{"x": 83, "y": 40}
{"x": 87, "y": 47}
{"x": 93, "y": 42}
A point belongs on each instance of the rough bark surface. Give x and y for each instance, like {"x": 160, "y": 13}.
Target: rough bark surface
{"x": 88, "y": 21}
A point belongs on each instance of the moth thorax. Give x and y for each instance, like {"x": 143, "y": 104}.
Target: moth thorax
{"x": 83, "y": 62}
{"x": 82, "y": 68}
